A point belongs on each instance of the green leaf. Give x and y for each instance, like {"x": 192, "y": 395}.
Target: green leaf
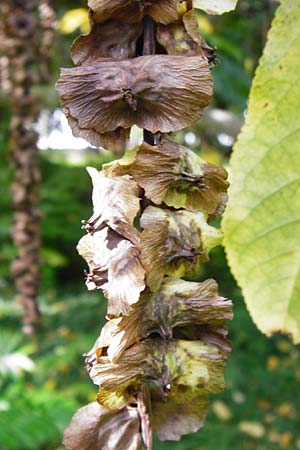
{"x": 262, "y": 222}
{"x": 215, "y": 6}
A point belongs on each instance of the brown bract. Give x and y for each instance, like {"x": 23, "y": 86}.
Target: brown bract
{"x": 112, "y": 39}
{"x": 158, "y": 93}
{"x": 94, "y": 427}
{"x": 175, "y": 243}
{"x": 187, "y": 368}
{"x": 143, "y": 362}
{"x": 175, "y": 175}
{"x": 173, "y": 419}
{"x": 215, "y": 335}
{"x": 182, "y": 37}
{"x": 115, "y": 267}
{"x": 164, "y": 11}
{"x": 112, "y": 140}
{"x": 116, "y": 203}
{"x": 177, "y": 305}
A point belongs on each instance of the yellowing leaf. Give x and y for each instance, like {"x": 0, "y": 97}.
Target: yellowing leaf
{"x": 262, "y": 224}
{"x": 74, "y": 19}
{"x": 215, "y": 6}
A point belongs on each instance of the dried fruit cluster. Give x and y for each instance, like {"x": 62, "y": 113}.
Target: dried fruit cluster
{"x": 27, "y": 31}
{"x": 163, "y": 349}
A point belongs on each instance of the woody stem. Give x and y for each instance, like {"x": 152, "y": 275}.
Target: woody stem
{"x": 149, "y": 47}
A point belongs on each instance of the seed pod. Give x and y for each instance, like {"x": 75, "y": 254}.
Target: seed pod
{"x": 164, "y": 346}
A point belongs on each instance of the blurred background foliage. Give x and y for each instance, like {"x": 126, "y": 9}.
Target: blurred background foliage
{"x": 42, "y": 378}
